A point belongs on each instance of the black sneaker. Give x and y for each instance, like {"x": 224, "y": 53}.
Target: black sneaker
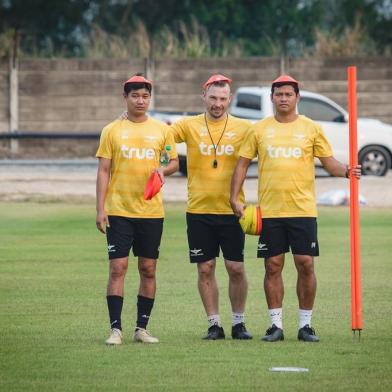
{"x": 307, "y": 334}
{"x": 239, "y": 331}
{"x": 214, "y": 333}
{"x": 273, "y": 334}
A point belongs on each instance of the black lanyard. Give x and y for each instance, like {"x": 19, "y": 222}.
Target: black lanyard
{"x": 215, "y": 163}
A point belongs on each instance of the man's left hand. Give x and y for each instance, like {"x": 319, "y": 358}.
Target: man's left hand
{"x": 355, "y": 171}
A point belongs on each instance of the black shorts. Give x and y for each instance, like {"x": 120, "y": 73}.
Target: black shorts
{"x": 280, "y": 234}
{"x": 209, "y": 232}
{"x": 143, "y": 235}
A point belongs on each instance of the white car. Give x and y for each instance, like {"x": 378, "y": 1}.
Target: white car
{"x": 374, "y": 136}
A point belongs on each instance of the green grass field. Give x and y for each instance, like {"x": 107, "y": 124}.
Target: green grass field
{"x": 53, "y": 274}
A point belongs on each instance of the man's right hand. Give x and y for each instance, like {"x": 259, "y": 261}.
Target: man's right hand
{"x": 102, "y": 222}
{"x": 238, "y": 208}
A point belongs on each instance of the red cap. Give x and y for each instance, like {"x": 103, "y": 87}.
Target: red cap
{"x": 216, "y": 78}
{"x": 153, "y": 186}
{"x": 138, "y": 79}
{"x": 285, "y": 79}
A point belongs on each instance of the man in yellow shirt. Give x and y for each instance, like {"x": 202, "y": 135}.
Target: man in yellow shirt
{"x": 129, "y": 151}
{"x": 286, "y": 145}
{"x": 213, "y": 140}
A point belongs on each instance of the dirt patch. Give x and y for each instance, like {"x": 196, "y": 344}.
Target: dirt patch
{"x": 67, "y": 183}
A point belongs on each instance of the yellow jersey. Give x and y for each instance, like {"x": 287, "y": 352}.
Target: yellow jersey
{"x": 286, "y": 153}
{"x": 134, "y": 150}
{"x": 209, "y": 187}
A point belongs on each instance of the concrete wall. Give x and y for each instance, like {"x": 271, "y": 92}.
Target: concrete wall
{"x": 78, "y": 95}
{"x": 179, "y": 81}
{"x": 71, "y": 95}
{"x": 4, "y": 97}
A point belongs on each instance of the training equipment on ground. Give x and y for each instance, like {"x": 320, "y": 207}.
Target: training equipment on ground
{"x": 288, "y": 369}
{"x": 355, "y": 238}
{"x": 153, "y": 186}
{"x": 251, "y": 221}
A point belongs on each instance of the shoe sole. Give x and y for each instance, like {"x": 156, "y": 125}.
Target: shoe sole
{"x": 308, "y": 341}
{"x": 142, "y": 341}
{"x": 273, "y": 341}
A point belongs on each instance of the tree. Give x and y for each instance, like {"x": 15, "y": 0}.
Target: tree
{"x": 66, "y": 27}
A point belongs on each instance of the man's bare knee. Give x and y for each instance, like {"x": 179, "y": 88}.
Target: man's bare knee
{"x": 206, "y": 270}
{"x": 147, "y": 271}
{"x": 235, "y": 270}
{"x": 274, "y": 266}
{"x": 304, "y": 264}
{"x": 118, "y": 269}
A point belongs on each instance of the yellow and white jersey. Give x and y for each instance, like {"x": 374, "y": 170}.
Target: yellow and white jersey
{"x": 286, "y": 154}
{"x": 209, "y": 187}
{"x": 134, "y": 150}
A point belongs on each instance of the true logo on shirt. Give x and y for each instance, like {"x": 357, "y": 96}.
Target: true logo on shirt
{"x": 208, "y": 149}
{"x": 138, "y": 153}
{"x": 284, "y": 152}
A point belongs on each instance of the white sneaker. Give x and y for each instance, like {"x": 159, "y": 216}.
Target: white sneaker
{"x": 142, "y": 336}
{"x": 115, "y": 337}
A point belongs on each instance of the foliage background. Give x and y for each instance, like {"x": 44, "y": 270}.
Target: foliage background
{"x": 196, "y": 28}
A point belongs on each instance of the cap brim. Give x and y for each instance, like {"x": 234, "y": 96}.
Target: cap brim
{"x": 153, "y": 186}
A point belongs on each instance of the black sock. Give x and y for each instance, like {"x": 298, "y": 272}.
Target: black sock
{"x": 115, "y": 304}
{"x": 144, "y": 307}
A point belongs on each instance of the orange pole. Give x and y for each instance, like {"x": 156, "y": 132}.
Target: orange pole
{"x": 356, "y": 292}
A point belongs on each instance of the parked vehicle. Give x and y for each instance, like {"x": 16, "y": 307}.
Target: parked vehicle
{"x": 374, "y": 136}
{"x": 169, "y": 117}
{"x": 254, "y": 103}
